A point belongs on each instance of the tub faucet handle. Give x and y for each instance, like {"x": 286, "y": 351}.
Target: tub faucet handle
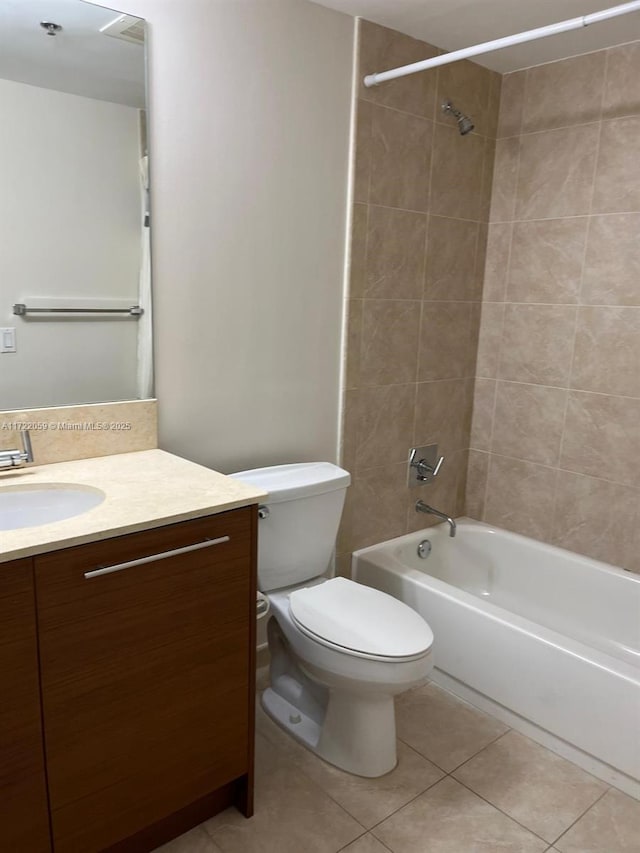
{"x": 424, "y": 464}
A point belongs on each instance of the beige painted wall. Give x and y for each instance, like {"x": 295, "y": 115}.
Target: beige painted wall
{"x": 556, "y": 426}
{"x": 419, "y": 233}
{"x": 249, "y": 120}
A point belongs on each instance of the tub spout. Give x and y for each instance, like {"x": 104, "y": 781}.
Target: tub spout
{"x": 421, "y": 506}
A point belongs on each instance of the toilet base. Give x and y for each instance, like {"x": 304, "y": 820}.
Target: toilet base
{"x": 357, "y": 733}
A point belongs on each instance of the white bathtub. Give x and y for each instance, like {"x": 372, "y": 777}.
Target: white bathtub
{"x": 545, "y": 639}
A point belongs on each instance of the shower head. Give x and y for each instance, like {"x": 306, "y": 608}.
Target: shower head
{"x": 465, "y": 125}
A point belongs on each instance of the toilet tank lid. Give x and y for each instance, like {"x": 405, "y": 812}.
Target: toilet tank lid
{"x": 300, "y": 480}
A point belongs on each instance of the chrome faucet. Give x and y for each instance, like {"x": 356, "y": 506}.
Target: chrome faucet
{"x": 421, "y": 506}
{"x": 16, "y": 458}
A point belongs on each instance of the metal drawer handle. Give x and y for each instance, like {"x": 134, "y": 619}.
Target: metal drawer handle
{"x": 118, "y": 567}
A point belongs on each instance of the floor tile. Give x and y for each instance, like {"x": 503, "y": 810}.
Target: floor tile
{"x": 611, "y": 826}
{"x": 449, "y": 818}
{"x": 441, "y": 727}
{"x": 536, "y": 787}
{"x": 367, "y": 800}
{"x": 367, "y": 844}
{"x": 195, "y": 841}
{"x": 292, "y": 813}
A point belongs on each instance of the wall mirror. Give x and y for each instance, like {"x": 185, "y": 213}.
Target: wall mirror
{"x": 75, "y": 272}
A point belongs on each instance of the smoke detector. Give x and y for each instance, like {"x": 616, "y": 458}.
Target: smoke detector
{"x": 125, "y": 27}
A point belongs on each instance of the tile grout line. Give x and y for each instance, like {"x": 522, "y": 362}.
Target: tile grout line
{"x": 601, "y": 120}
{"x": 579, "y": 818}
{"x": 502, "y": 812}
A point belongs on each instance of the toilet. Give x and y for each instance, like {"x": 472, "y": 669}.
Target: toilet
{"x": 340, "y": 651}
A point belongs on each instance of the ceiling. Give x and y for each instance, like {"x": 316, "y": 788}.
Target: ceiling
{"x": 80, "y": 60}
{"x": 452, "y": 24}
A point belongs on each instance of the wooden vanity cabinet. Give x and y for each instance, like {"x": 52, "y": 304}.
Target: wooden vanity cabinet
{"x": 147, "y": 677}
{"x": 24, "y": 821}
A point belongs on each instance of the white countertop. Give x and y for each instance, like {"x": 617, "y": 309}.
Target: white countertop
{"x": 143, "y": 490}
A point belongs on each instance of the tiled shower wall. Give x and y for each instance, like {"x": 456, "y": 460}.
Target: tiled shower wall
{"x": 556, "y": 426}
{"x": 422, "y": 195}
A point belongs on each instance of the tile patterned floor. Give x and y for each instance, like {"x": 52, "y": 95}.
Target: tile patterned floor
{"x": 464, "y": 783}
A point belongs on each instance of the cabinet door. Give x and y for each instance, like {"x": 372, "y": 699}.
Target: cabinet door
{"x": 145, "y": 676}
{"x": 24, "y": 822}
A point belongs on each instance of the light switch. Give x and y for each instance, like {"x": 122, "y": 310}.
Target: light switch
{"x": 7, "y": 339}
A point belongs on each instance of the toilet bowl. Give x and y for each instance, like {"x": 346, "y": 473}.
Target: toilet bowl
{"x": 339, "y": 651}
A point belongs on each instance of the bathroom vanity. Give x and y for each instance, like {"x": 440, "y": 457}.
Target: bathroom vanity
{"x": 127, "y": 644}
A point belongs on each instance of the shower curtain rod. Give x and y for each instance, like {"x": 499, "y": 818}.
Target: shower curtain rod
{"x": 507, "y": 41}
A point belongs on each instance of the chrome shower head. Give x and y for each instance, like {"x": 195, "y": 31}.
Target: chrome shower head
{"x": 465, "y": 125}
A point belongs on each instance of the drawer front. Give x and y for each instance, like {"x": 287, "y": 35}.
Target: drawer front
{"x": 24, "y": 821}
{"x": 145, "y": 674}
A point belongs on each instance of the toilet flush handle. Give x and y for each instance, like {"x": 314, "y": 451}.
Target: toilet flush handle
{"x": 263, "y": 511}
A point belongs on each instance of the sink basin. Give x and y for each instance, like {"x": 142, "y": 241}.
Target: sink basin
{"x": 33, "y": 505}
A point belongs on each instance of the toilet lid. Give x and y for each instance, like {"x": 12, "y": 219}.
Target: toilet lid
{"x": 360, "y": 619}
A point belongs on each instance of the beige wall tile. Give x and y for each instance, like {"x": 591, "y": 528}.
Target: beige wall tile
{"x": 598, "y": 518}
{"x": 84, "y": 432}
{"x": 537, "y": 344}
{"x": 477, "y": 471}
{"x": 382, "y": 48}
{"x": 363, "y": 152}
{"x": 384, "y": 424}
{"x": 474, "y": 335}
{"x": 378, "y": 500}
{"x": 602, "y": 438}
{"x": 490, "y": 339}
{"x": 395, "y": 256}
{"x": 564, "y": 93}
{"x": 556, "y": 172}
{"x": 445, "y": 350}
{"x": 622, "y": 88}
{"x": 511, "y": 104}
{"x": 350, "y": 430}
{"x": 488, "y": 171}
{"x": 497, "y": 262}
{"x": 563, "y": 235}
{"x": 520, "y": 497}
{"x": 612, "y": 266}
{"x": 505, "y": 179}
{"x": 484, "y": 400}
{"x": 470, "y": 88}
{"x": 481, "y": 259}
{"x": 494, "y": 104}
{"x": 389, "y": 348}
{"x": 617, "y": 187}
{"x": 456, "y": 183}
{"x": 358, "y": 250}
{"x": 528, "y": 422}
{"x": 546, "y": 260}
{"x": 451, "y": 257}
{"x": 607, "y": 351}
{"x": 531, "y": 784}
{"x": 354, "y": 340}
{"x": 448, "y": 815}
{"x": 612, "y": 824}
{"x": 443, "y": 414}
{"x": 400, "y": 159}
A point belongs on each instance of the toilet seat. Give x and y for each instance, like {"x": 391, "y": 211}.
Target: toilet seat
{"x": 360, "y": 621}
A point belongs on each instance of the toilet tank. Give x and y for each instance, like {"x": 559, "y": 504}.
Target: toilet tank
{"x": 297, "y": 537}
